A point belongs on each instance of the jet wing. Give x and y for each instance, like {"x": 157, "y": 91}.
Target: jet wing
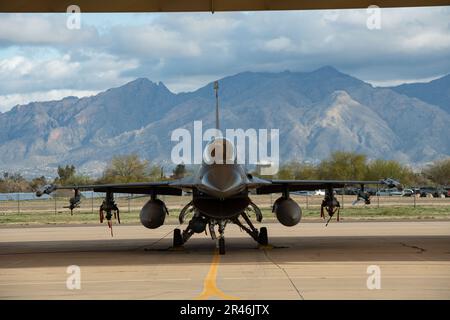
{"x": 174, "y": 187}
{"x": 277, "y": 186}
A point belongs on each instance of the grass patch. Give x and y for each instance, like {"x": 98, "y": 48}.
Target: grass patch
{"x": 352, "y": 213}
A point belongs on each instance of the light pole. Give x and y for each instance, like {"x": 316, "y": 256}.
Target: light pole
{"x": 216, "y": 89}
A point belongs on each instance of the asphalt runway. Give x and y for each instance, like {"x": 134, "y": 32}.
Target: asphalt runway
{"x": 309, "y": 261}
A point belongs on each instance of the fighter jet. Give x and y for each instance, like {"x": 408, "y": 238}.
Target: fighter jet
{"x": 221, "y": 194}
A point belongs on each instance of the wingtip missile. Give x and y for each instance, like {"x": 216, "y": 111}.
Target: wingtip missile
{"x": 391, "y": 183}
{"x": 47, "y": 189}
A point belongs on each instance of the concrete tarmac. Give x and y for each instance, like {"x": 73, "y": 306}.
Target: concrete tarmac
{"x": 308, "y": 261}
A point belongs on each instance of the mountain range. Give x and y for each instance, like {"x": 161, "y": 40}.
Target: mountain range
{"x": 316, "y": 112}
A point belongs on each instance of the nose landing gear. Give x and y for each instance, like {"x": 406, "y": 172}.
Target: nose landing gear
{"x": 221, "y": 244}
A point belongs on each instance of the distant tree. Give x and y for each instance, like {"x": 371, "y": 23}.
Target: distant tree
{"x": 285, "y": 172}
{"x": 155, "y": 173}
{"x": 67, "y": 176}
{"x": 305, "y": 171}
{"x": 297, "y": 171}
{"x": 179, "y": 171}
{"x": 37, "y": 183}
{"x": 14, "y": 182}
{"x": 438, "y": 172}
{"x": 343, "y": 165}
{"x": 65, "y": 173}
{"x": 421, "y": 180}
{"x": 126, "y": 168}
{"x": 2, "y": 186}
{"x": 380, "y": 169}
{"x": 13, "y": 176}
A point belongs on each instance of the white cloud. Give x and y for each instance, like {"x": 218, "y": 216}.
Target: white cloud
{"x": 402, "y": 81}
{"x": 426, "y": 41}
{"x": 79, "y": 71}
{"x": 8, "y": 101}
{"x": 43, "y": 29}
{"x": 279, "y": 44}
{"x": 187, "y": 50}
{"x": 153, "y": 40}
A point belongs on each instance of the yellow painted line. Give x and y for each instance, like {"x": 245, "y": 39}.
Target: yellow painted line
{"x": 209, "y": 284}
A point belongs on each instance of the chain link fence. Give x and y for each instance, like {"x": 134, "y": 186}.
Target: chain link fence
{"x": 13, "y": 203}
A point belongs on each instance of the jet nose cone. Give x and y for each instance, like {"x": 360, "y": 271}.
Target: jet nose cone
{"x": 222, "y": 182}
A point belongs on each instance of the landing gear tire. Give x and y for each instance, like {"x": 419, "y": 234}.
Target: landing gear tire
{"x": 222, "y": 245}
{"x": 177, "y": 238}
{"x": 262, "y": 236}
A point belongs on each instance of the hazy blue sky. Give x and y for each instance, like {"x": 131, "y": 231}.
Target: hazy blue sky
{"x": 41, "y": 59}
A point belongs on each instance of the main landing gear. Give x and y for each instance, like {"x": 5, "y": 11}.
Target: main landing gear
{"x": 263, "y": 238}
{"x": 199, "y": 223}
{"x": 259, "y": 236}
{"x": 177, "y": 238}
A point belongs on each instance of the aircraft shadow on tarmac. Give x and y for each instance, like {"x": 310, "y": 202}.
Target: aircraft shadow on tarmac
{"x": 239, "y": 250}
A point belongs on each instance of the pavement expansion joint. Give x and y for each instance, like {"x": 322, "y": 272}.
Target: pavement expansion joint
{"x": 171, "y": 249}
{"x": 421, "y": 250}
